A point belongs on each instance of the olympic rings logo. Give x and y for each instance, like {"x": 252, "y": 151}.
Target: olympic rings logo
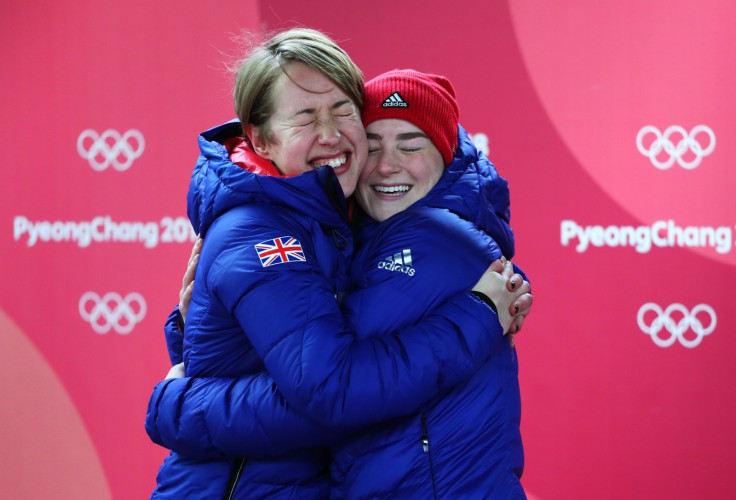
{"x": 110, "y": 148}
{"x": 112, "y": 311}
{"x": 675, "y": 152}
{"x": 665, "y": 320}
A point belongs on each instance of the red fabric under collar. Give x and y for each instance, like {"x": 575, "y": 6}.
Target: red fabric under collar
{"x": 242, "y": 155}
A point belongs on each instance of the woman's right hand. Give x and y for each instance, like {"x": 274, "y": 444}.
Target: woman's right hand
{"x": 187, "y": 282}
{"x": 503, "y": 287}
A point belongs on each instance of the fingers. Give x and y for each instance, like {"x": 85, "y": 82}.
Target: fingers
{"x": 192, "y": 263}
{"x": 519, "y": 309}
{"x": 516, "y": 323}
{"x": 514, "y": 282}
{"x": 187, "y": 282}
{"x": 517, "y": 285}
{"x": 185, "y": 297}
{"x": 190, "y": 272}
{"x": 498, "y": 265}
{"x": 504, "y": 288}
{"x": 196, "y": 249}
{"x": 522, "y": 305}
{"x": 511, "y": 340}
{"x": 508, "y": 268}
{"x": 186, "y": 294}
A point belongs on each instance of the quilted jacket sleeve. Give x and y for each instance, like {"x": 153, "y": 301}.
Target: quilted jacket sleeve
{"x": 319, "y": 365}
{"x": 248, "y": 416}
{"x": 336, "y": 377}
{"x": 218, "y": 417}
{"x": 174, "y": 336}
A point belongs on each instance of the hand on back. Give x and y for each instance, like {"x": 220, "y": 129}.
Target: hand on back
{"x": 508, "y": 291}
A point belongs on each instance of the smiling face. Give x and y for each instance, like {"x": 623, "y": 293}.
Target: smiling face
{"x": 403, "y": 165}
{"x": 314, "y": 123}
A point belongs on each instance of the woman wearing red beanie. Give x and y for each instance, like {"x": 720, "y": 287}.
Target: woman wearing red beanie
{"x": 428, "y": 191}
{"x": 396, "y": 282}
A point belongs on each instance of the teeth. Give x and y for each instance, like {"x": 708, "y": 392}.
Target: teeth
{"x": 334, "y": 162}
{"x": 392, "y": 189}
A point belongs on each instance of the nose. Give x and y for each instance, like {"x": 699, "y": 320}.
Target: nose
{"x": 387, "y": 163}
{"x": 329, "y": 133}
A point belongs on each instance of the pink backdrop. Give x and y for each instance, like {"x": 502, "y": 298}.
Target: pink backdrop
{"x": 611, "y": 120}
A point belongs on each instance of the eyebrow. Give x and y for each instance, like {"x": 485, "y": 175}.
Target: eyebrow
{"x": 401, "y": 137}
{"x": 311, "y": 111}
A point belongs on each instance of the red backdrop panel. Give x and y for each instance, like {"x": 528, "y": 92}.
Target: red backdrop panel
{"x": 610, "y": 122}
{"x": 102, "y": 103}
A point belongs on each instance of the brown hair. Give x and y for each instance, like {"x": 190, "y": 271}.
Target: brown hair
{"x": 259, "y": 72}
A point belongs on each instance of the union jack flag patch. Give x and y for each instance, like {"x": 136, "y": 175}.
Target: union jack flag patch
{"x": 279, "y": 251}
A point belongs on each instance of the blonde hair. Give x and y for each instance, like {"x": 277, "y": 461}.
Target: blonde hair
{"x": 259, "y": 72}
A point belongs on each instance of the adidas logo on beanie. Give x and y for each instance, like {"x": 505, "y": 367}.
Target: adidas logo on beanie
{"x": 426, "y": 100}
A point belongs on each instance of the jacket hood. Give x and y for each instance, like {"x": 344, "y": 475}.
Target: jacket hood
{"x": 472, "y": 188}
{"x": 217, "y": 184}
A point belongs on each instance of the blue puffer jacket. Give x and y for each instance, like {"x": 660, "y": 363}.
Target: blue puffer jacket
{"x": 467, "y": 444}
{"x": 246, "y": 315}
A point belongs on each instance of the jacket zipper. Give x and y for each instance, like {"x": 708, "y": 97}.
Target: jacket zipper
{"x": 232, "y": 481}
{"x": 425, "y": 448}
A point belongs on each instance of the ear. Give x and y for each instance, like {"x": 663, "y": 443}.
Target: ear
{"x": 260, "y": 146}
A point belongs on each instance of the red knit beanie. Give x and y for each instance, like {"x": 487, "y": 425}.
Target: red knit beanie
{"x": 427, "y": 101}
